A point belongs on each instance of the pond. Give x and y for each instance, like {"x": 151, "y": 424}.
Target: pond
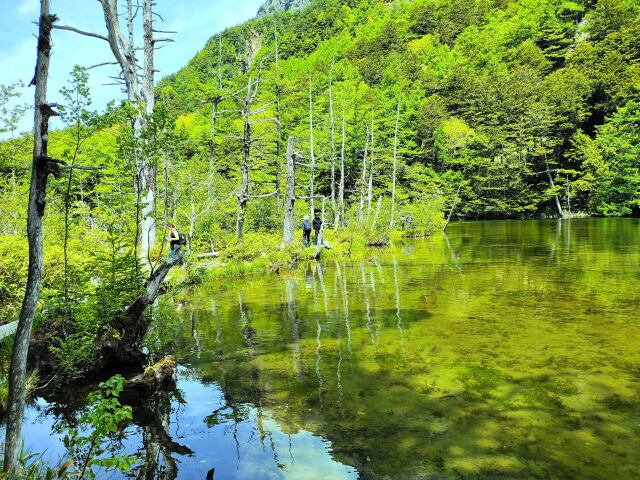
{"x": 509, "y": 349}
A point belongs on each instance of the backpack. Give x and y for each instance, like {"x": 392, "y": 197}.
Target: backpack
{"x": 182, "y": 239}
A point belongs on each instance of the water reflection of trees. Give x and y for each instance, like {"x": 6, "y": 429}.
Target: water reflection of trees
{"x": 152, "y": 413}
{"x": 384, "y": 413}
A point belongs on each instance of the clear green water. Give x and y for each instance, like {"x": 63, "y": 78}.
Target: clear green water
{"x": 507, "y": 350}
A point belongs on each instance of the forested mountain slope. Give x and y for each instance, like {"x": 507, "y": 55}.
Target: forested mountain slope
{"x": 517, "y": 107}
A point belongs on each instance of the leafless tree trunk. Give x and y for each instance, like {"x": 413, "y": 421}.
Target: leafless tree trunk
{"x": 312, "y": 156}
{"x": 332, "y": 125}
{"x": 147, "y": 168}
{"x": 363, "y": 179}
{"x": 124, "y": 347}
{"x": 453, "y": 207}
{"x": 123, "y": 50}
{"x": 214, "y": 117}
{"x": 339, "y": 214}
{"x": 553, "y": 185}
{"x": 243, "y": 195}
{"x": 42, "y": 166}
{"x": 371, "y": 165}
{"x": 290, "y": 195}
{"x": 278, "y": 92}
{"x": 212, "y": 146}
{"x": 395, "y": 168}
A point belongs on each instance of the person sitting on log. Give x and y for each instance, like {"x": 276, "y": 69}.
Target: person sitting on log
{"x": 176, "y": 240}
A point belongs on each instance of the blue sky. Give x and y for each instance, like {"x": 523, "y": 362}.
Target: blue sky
{"x": 194, "y": 20}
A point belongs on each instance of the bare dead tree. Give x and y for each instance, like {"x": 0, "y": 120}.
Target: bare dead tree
{"x": 363, "y": 179}
{"x": 312, "y": 157}
{"x": 248, "y": 144}
{"x": 371, "y": 166}
{"x": 332, "y": 125}
{"x": 339, "y": 214}
{"x": 243, "y": 194}
{"x": 124, "y": 51}
{"x": 42, "y": 167}
{"x": 290, "y": 194}
{"x": 395, "y": 167}
{"x": 278, "y": 120}
{"x": 215, "y": 101}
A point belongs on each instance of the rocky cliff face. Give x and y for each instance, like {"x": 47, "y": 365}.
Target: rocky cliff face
{"x": 274, "y": 6}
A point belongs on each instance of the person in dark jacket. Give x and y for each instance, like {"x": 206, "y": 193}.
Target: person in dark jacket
{"x": 317, "y": 225}
{"x": 174, "y": 241}
{"x": 306, "y": 231}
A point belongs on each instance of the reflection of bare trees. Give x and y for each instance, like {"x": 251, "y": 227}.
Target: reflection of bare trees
{"x": 318, "y": 329}
{"x": 367, "y": 307}
{"x": 345, "y": 301}
{"x": 292, "y": 313}
{"x": 398, "y": 313}
{"x": 338, "y": 339}
{"x": 195, "y": 334}
{"x": 152, "y": 412}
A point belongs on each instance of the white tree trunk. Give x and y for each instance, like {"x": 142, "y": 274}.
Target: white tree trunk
{"x": 339, "y": 213}
{"x": 123, "y": 50}
{"x": 290, "y": 194}
{"x": 553, "y": 185}
{"x": 395, "y": 168}
{"x": 371, "y": 165}
{"x": 333, "y": 145}
{"x": 311, "y": 154}
{"x": 147, "y": 168}
{"x": 243, "y": 196}
{"x": 363, "y": 179}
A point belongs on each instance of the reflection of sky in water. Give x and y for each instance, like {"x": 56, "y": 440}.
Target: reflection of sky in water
{"x": 300, "y": 455}
{"x": 283, "y": 456}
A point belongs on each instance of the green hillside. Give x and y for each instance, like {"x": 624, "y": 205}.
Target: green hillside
{"x": 499, "y": 99}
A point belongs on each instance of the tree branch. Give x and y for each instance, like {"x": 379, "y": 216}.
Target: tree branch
{"x": 101, "y": 65}
{"x": 81, "y": 32}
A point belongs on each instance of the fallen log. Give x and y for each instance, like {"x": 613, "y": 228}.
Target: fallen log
{"x": 202, "y": 256}
{"x": 159, "y": 376}
{"x": 121, "y": 341}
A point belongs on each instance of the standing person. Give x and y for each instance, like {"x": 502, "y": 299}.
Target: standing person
{"x": 317, "y": 225}
{"x": 306, "y": 231}
{"x": 174, "y": 241}
{"x": 408, "y": 221}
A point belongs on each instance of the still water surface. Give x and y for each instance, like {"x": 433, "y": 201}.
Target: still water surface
{"x": 507, "y": 350}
